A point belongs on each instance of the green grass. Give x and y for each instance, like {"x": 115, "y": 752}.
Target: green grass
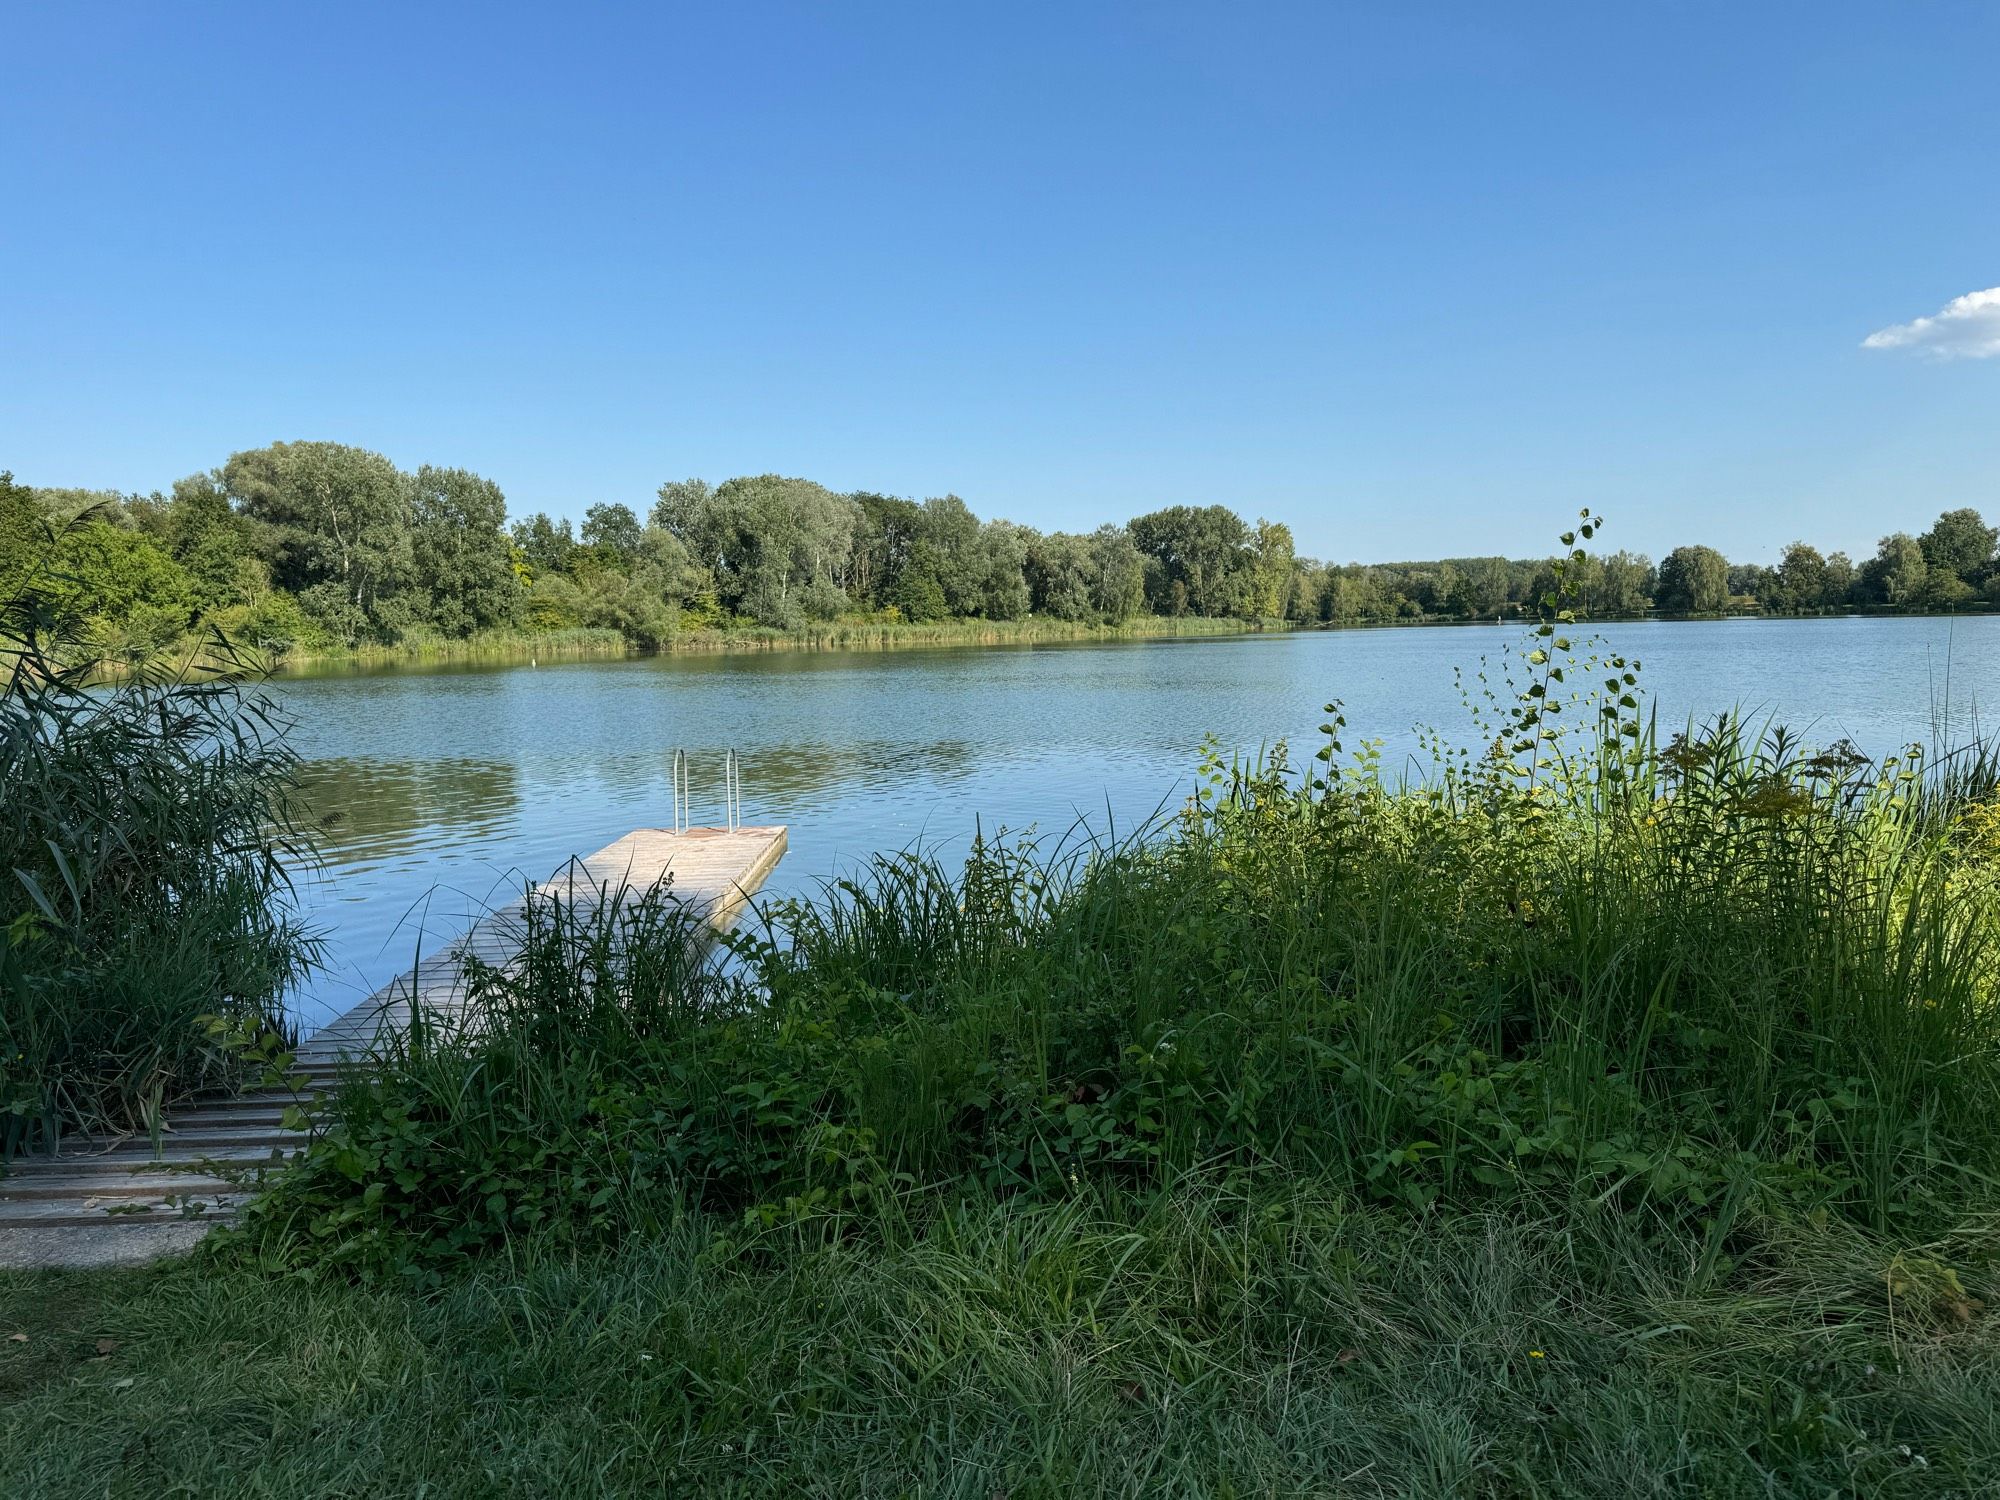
{"x": 1273, "y": 1342}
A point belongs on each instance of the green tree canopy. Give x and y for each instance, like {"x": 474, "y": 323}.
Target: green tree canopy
{"x": 1693, "y": 581}
{"x": 1201, "y": 560}
{"x": 1960, "y": 543}
{"x": 1802, "y": 577}
{"x": 337, "y": 524}
{"x": 767, "y": 539}
{"x": 613, "y": 531}
{"x": 459, "y": 550}
{"x": 545, "y": 545}
{"x": 1896, "y": 574}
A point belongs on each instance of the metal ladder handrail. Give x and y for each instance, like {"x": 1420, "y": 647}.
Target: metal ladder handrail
{"x": 732, "y": 791}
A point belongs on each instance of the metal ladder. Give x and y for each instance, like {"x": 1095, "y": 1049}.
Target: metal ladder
{"x": 732, "y": 791}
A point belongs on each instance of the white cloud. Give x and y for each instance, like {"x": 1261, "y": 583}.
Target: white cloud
{"x": 1967, "y": 327}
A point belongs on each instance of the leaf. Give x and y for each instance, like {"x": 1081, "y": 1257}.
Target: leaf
{"x": 17, "y": 1338}
{"x": 105, "y": 1346}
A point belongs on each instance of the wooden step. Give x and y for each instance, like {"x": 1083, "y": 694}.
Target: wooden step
{"x": 253, "y": 1099}
{"x": 52, "y": 1213}
{"x": 253, "y": 1132}
{"x": 131, "y": 1159}
{"x": 205, "y": 1127}
{"x": 44, "y": 1184}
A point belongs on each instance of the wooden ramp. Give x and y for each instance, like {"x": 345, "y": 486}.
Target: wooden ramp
{"x": 106, "y": 1201}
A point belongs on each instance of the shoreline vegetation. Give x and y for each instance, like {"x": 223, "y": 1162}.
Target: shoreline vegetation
{"x": 517, "y": 648}
{"x": 835, "y": 635}
{"x": 321, "y": 552}
{"x": 1602, "y": 1112}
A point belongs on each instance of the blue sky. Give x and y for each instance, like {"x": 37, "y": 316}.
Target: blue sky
{"x": 1414, "y": 279}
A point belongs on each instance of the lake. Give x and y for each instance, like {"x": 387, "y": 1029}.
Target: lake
{"x": 443, "y": 789}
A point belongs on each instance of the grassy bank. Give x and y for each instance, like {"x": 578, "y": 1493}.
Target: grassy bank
{"x": 571, "y": 645}
{"x": 1606, "y": 1113}
{"x": 487, "y": 646}
{"x": 497, "y": 646}
{"x": 863, "y": 634}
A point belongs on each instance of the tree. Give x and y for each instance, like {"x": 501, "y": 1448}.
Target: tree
{"x": 1201, "y": 560}
{"x": 86, "y": 569}
{"x": 27, "y": 538}
{"x": 1118, "y": 574}
{"x": 1626, "y": 587}
{"x": 102, "y": 572}
{"x": 545, "y": 545}
{"x": 202, "y": 532}
{"x": 1351, "y": 593}
{"x": 1097, "y": 577}
{"x": 1269, "y": 594}
{"x": 885, "y": 534}
{"x": 1961, "y": 543}
{"x": 337, "y": 523}
{"x": 1693, "y": 581}
{"x": 1003, "y": 556}
{"x": 957, "y": 557}
{"x": 681, "y": 502}
{"x": 1752, "y": 582}
{"x": 1058, "y": 570}
{"x": 613, "y": 531}
{"x": 918, "y": 594}
{"x": 767, "y": 538}
{"x": 1482, "y": 587}
{"x": 1896, "y": 574}
{"x": 460, "y": 552}
{"x": 1801, "y": 578}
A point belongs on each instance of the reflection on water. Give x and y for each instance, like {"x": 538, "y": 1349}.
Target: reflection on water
{"x": 442, "y": 789}
{"x": 372, "y": 809}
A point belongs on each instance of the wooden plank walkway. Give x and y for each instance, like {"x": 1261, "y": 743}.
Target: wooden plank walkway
{"x": 107, "y": 1201}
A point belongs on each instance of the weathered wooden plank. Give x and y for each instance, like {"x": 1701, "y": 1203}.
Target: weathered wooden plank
{"x": 57, "y": 1181}
{"x": 28, "y": 1213}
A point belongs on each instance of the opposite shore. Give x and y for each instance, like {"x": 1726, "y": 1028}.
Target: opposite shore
{"x": 857, "y": 635}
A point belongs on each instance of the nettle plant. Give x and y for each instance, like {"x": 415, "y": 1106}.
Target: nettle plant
{"x": 1562, "y": 717}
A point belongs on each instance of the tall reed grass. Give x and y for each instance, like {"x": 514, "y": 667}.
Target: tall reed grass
{"x": 146, "y": 829}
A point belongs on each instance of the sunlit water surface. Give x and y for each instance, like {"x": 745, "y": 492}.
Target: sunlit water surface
{"x": 442, "y": 790}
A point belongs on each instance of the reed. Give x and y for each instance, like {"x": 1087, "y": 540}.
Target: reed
{"x": 145, "y": 835}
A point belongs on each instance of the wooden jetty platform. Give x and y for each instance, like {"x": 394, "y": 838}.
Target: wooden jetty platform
{"x": 108, "y": 1201}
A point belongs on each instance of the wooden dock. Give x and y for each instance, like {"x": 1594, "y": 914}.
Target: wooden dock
{"x": 106, "y": 1201}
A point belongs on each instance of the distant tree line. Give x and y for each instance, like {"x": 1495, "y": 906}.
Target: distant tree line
{"x": 318, "y": 545}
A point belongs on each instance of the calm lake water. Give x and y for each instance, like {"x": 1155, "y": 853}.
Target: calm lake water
{"x": 442, "y": 790}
